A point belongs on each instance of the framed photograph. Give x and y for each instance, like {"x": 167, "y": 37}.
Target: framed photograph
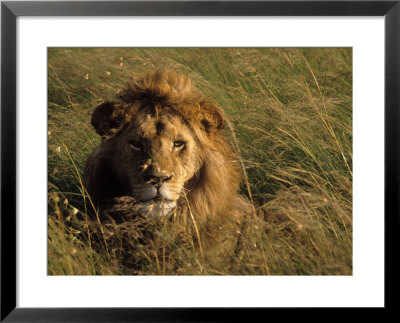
{"x": 197, "y": 161}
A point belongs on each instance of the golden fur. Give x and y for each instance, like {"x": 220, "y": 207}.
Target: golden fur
{"x": 163, "y": 151}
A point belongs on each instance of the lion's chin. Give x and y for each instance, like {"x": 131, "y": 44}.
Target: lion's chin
{"x": 157, "y": 208}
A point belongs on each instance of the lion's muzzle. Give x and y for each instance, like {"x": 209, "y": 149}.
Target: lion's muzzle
{"x": 158, "y": 184}
{"x": 158, "y": 193}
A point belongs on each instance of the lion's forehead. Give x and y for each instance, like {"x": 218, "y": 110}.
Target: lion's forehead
{"x": 166, "y": 126}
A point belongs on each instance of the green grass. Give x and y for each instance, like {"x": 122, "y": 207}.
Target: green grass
{"x": 291, "y": 111}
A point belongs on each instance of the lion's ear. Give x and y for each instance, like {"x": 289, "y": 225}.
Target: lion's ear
{"x": 211, "y": 117}
{"x": 102, "y": 119}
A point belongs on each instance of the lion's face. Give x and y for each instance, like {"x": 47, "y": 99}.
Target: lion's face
{"x": 156, "y": 156}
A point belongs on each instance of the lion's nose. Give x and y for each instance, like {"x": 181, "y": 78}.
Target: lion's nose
{"x": 155, "y": 180}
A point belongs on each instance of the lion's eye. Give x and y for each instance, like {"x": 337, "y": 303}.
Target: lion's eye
{"x": 179, "y": 144}
{"x": 136, "y": 145}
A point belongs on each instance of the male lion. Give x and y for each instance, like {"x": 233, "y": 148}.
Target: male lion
{"x": 162, "y": 150}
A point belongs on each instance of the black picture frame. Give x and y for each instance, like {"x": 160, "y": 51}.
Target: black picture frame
{"x": 10, "y": 10}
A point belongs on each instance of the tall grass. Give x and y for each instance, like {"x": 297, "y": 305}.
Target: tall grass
{"x": 291, "y": 115}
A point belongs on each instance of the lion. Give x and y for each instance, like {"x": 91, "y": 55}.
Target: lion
{"x": 163, "y": 150}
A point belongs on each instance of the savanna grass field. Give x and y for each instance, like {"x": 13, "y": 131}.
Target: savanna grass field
{"x": 289, "y": 118}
